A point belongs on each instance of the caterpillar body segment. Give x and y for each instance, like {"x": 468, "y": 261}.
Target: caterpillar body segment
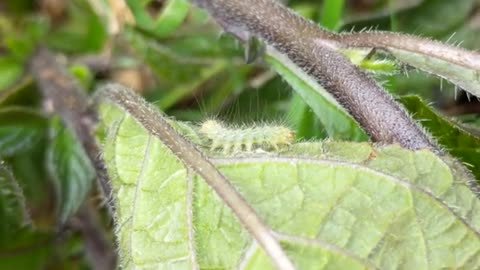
{"x": 233, "y": 140}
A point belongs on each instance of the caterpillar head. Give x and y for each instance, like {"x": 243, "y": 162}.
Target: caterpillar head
{"x": 210, "y": 126}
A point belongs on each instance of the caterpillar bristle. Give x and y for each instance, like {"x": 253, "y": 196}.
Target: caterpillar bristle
{"x": 229, "y": 140}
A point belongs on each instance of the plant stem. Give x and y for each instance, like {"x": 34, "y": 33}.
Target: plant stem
{"x": 313, "y": 49}
{"x": 99, "y": 251}
{"x": 71, "y": 103}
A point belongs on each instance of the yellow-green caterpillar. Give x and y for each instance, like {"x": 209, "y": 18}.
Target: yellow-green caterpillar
{"x": 237, "y": 139}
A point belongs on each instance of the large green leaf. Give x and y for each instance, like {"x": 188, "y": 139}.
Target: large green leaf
{"x": 331, "y": 205}
{"x": 71, "y": 169}
{"x": 20, "y": 130}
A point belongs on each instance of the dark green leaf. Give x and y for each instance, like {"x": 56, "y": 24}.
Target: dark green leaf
{"x": 30, "y": 172}
{"x": 20, "y": 130}
{"x": 331, "y": 13}
{"x": 71, "y": 170}
{"x": 26, "y": 250}
{"x": 166, "y": 22}
{"x": 83, "y": 32}
{"x": 13, "y": 213}
{"x": 20, "y": 36}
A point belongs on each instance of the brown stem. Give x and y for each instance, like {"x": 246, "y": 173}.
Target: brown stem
{"x": 98, "y": 249}
{"x": 313, "y": 50}
{"x": 71, "y": 103}
{"x": 156, "y": 124}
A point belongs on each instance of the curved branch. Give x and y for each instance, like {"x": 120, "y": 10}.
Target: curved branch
{"x": 313, "y": 50}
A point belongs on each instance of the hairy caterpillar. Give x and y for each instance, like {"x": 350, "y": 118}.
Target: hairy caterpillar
{"x": 232, "y": 140}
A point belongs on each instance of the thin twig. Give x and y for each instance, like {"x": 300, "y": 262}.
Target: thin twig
{"x": 156, "y": 124}
{"x": 313, "y": 50}
{"x": 71, "y": 103}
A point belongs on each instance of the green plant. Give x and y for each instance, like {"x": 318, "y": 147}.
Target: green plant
{"x": 384, "y": 191}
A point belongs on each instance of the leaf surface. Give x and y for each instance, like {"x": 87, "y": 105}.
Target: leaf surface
{"x": 331, "y": 205}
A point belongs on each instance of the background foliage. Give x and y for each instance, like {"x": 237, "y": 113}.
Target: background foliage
{"x": 169, "y": 52}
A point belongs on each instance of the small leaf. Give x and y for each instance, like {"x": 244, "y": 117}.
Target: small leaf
{"x": 83, "y": 32}
{"x": 337, "y": 122}
{"x": 13, "y": 212}
{"x": 83, "y": 75}
{"x": 20, "y": 130}
{"x": 71, "y": 169}
{"x": 22, "y": 92}
{"x": 166, "y": 22}
{"x": 375, "y": 66}
{"x": 20, "y": 36}
{"x": 10, "y": 70}
{"x": 171, "y": 17}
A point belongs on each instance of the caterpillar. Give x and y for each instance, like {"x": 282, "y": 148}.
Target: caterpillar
{"x": 235, "y": 139}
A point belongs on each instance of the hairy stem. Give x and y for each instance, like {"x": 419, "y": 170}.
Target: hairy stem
{"x": 157, "y": 125}
{"x": 387, "y": 41}
{"x": 71, "y": 103}
{"x": 313, "y": 50}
